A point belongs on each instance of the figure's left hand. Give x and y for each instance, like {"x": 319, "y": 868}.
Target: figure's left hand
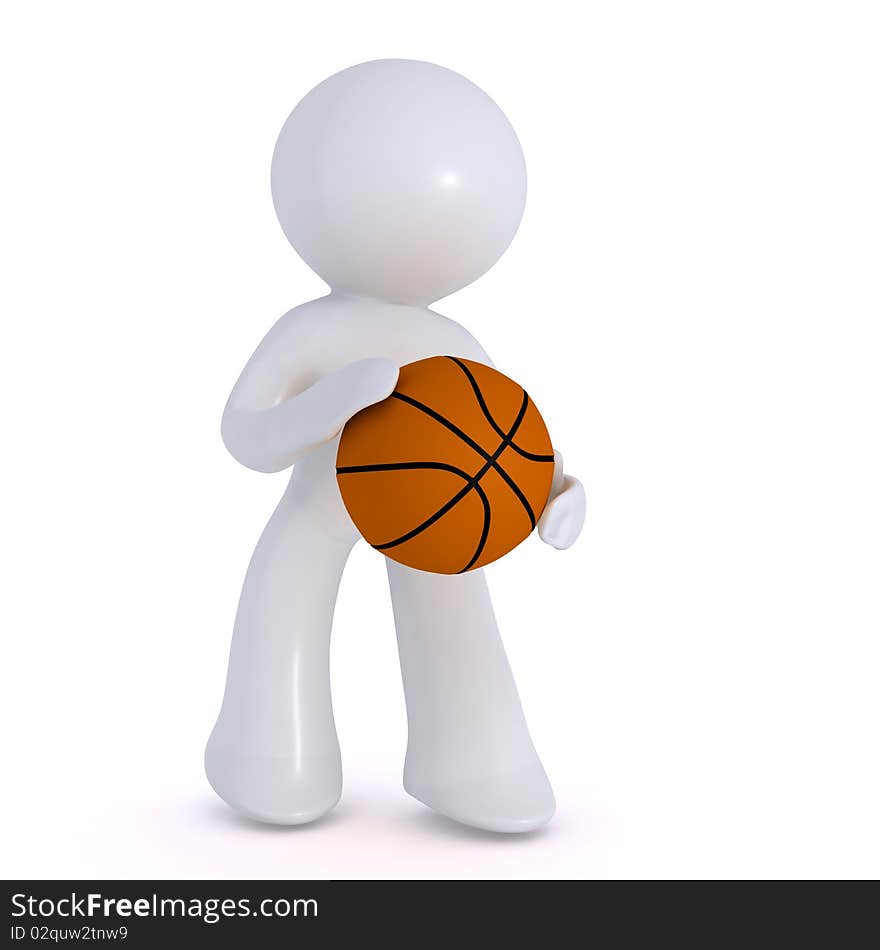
{"x": 563, "y": 518}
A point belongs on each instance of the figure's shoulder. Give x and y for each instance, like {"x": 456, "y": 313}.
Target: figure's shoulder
{"x": 297, "y": 325}
{"x": 310, "y": 313}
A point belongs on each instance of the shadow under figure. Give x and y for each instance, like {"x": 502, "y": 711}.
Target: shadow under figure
{"x": 398, "y": 182}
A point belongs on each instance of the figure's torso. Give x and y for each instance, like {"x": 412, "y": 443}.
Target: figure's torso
{"x": 336, "y": 330}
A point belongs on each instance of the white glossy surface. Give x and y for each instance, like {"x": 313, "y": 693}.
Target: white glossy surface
{"x": 273, "y": 754}
{"x": 398, "y": 180}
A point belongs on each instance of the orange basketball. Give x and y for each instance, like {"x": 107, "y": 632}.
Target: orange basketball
{"x": 451, "y": 471}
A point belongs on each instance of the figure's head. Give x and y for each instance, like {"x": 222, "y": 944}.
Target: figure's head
{"x": 399, "y": 180}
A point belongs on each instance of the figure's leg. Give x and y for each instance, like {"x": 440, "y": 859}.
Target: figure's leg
{"x": 273, "y": 754}
{"x": 469, "y": 754}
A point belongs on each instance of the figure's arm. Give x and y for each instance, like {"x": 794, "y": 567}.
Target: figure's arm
{"x": 564, "y": 515}
{"x": 278, "y": 411}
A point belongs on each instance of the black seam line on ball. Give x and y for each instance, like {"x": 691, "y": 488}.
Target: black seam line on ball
{"x": 477, "y": 447}
{"x": 400, "y": 466}
{"x": 473, "y": 482}
{"x": 487, "y": 517}
{"x": 478, "y": 393}
{"x": 443, "y": 467}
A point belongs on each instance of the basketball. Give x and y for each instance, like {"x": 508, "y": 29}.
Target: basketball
{"x": 451, "y": 471}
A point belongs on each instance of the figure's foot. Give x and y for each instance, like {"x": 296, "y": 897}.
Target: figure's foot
{"x": 281, "y": 790}
{"x": 511, "y": 803}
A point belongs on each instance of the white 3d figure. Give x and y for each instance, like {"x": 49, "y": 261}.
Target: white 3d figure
{"x": 398, "y": 182}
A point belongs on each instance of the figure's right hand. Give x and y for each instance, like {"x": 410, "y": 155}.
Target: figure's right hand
{"x": 272, "y": 439}
{"x": 341, "y": 394}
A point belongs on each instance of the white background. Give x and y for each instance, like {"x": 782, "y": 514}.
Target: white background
{"x": 693, "y": 302}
